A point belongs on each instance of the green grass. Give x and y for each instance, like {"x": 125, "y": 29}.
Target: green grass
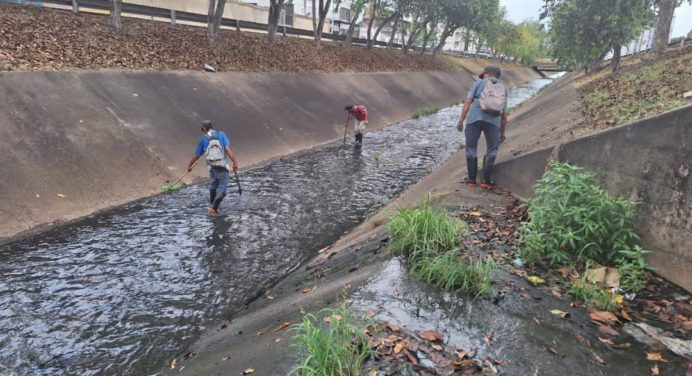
{"x": 592, "y": 295}
{"x": 334, "y": 344}
{"x": 429, "y": 240}
{"x": 424, "y": 231}
{"x": 573, "y": 220}
{"x": 425, "y": 112}
{"x": 452, "y": 272}
{"x": 379, "y": 157}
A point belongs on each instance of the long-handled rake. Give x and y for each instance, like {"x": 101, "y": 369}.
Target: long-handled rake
{"x": 177, "y": 184}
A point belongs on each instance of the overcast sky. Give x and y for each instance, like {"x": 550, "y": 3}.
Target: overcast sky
{"x": 520, "y": 10}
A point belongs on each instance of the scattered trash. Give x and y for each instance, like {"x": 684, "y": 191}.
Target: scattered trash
{"x": 536, "y": 280}
{"x": 607, "y": 277}
{"x": 518, "y": 262}
{"x": 249, "y": 371}
{"x": 209, "y": 68}
{"x": 678, "y": 346}
{"x": 61, "y": 195}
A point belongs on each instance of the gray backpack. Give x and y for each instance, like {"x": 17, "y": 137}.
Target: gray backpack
{"x": 215, "y": 155}
{"x": 493, "y": 99}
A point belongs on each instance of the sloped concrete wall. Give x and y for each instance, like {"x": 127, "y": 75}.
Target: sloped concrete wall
{"x": 104, "y": 138}
{"x": 647, "y": 161}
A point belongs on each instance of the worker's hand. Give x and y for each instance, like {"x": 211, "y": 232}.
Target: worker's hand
{"x": 189, "y": 168}
{"x": 502, "y": 138}
{"x": 235, "y": 166}
{"x": 460, "y": 125}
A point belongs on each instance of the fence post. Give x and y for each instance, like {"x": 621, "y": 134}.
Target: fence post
{"x": 172, "y": 16}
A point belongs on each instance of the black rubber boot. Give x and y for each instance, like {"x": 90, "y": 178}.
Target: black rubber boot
{"x": 359, "y": 138}
{"x": 472, "y": 166}
{"x": 212, "y": 196}
{"x": 218, "y": 200}
{"x": 488, "y": 170}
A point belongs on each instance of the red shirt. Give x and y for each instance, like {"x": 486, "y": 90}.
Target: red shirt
{"x": 360, "y": 113}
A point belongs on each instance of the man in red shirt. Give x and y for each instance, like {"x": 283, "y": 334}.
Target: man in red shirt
{"x": 359, "y": 114}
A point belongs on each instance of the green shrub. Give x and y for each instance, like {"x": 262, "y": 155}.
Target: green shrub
{"x": 572, "y": 219}
{"x": 451, "y": 272}
{"x": 632, "y": 267}
{"x": 425, "y": 112}
{"x": 334, "y": 343}
{"x": 424, "y": 231}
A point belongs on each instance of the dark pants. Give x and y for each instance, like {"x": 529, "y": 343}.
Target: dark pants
{"x": 218, "y": 185}
{"x": 492, "y": 139}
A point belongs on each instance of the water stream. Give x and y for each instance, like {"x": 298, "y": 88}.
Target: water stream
{"x": 122, "y": 292}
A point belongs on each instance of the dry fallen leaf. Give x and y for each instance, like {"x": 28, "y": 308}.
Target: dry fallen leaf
{"x": 475, "y": 213}
{"x": 259, "y": 334}
{"x": 371, "y": 313}
{"x": 225, "y": 358}
{"x": 461, "y": 354}
{"x": 277, "y": 340}
{"x": 61, "y": 195}
{"x": 624, "y": 315}
{"x": 282, "y": 327}
{"x": 489, "y": 337}
{"x": 654, "y": 370}
{"x": 249, "y": 371}
{"x": 599, "y": 359}
{"x": 608, "y": 330}
{"x": 583, "y": 341}
{"x": 431, "y": 336}
{"x": 655, "y": 357}
{"x": 560, "y": 313}
{"x": 553, "y": 351}
{"x": 173, "y": 362}
{"x": 399, "y": 346}
{"x": 436, "y": 347}
{"x": 606, "y": 341}
{"x": 307, "y": 290}
{"x": 536, "y": 320}
{"x": 604, "y": 317}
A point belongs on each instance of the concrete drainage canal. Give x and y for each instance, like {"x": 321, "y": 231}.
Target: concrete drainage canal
{"x": 121, "y": 292}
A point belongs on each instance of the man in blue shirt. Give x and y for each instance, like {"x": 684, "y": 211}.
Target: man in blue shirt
{"x": 477, "y": 122}
{"x": 219, "y": 175}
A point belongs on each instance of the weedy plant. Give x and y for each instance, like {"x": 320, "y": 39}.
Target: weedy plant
{"x": 451, "y": 272}
{"x": 572, "y": 219}
{"x": 424, "y": 231}
{"x": 429, "y": 241}
{"x": 425, "y": 112}
{"x": 592, "y": 295}
{"x": 334, "y": 343}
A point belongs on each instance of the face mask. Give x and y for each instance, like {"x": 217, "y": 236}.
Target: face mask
{"x": 209, "y": 133}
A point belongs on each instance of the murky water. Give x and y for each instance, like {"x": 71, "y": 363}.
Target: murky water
{"x": 122, "y": 292}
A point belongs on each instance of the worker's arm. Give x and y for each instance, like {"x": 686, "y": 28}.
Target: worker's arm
{"x": 192, "y": 162}
{"x": 465, "y": 111}
{"x": 230, "y": 155}
{"x": 503, "y": 128}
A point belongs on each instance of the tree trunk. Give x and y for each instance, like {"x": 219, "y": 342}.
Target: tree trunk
{"x": 214, "y": 16}
{"x": 379, "y": 28}
{"x": 478, "y": 48}
{"x": 116, "y": 9}
{"x": 273, "y": 18}
{"x": 75, "y": 7}
{"x": 403, "y": 32}
{"x": 443, "y": 38}
{"x": 371, "y": 22}
{"x": 615, "y": 61}
{"x": 324, "y": 8}
{"x": 351, "y": 27}
{"x": 426, "y": 38}
{"x": 666, "y": 8}
{"x": 416, "y": 31}
{"x": 394, "y": 28}
{"x": 467, "y": 40}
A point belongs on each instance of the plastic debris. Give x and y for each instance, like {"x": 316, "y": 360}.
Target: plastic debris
{"x": 209, "y": 68}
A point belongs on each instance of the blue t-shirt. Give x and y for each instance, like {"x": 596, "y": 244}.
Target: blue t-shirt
{"x": 204, "y": 142}
{"x": 475, "y": 113}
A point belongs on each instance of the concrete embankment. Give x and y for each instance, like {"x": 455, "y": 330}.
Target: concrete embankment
{"x": 77, "y": 142}
{"x": 646, "y": 161}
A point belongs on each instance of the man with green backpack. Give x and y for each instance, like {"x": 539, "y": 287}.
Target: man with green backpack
{"x": 485, "y": 111}
{"x": 215, "y": 146}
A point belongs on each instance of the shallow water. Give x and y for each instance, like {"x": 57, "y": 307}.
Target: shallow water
{"x": 122, "y": 292}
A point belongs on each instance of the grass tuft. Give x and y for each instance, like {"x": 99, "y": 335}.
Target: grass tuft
{"x": 425, "y": 112}
{"x": 429, "y": 241}
{"x": 334, "y": 344}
